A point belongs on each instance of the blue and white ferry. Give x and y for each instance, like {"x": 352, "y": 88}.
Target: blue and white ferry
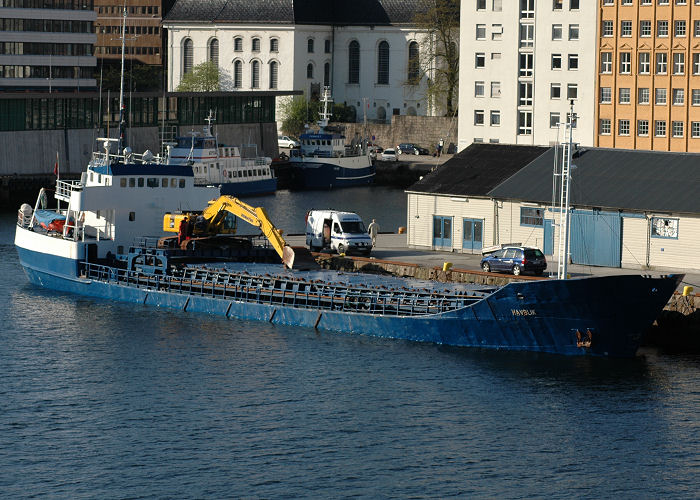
{"x": 324, "y": 161}
{"x": 224, "y": 166}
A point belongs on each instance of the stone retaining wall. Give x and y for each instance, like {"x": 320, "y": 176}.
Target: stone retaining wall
{"x": 425, "y": 131}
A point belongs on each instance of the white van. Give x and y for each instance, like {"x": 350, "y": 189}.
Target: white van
{"x": 343, "y": 232}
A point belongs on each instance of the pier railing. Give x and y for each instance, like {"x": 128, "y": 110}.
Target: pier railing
{"x": 287, "y": 292}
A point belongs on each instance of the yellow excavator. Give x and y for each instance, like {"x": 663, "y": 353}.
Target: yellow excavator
{"x": 216, "y": 219}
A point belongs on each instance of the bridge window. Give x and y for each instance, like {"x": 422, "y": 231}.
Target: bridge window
{"x": 140, "y": 182}
{"x": 164, "y": 182}
{"x": 173, "y": 182}
{"x": 152, "y": 182}
{"x": 122, "y": 182}
{"x": 132, "y": 182}
{"x": 182, "y": 183}
{"x": 132, "y": 216}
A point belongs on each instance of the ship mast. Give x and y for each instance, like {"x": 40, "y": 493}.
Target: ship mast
{"x": 564, "y": 198}
{"x": 325, "y": 115}
{"x": 122, "y": 140}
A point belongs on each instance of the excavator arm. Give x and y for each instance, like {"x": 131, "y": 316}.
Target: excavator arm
{"x": 215, "y": 217}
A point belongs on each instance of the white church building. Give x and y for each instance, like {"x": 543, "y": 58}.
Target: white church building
{"x": 367, "y": 51}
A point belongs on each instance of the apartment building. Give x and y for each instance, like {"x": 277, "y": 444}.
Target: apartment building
{"x": 522, "y": 63}
{"x": 144, "y": 37}
{"x": 648, "y": 82}
{"x": 47, "y": 45}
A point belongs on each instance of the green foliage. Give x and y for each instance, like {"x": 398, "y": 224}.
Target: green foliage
{"x": 298, "y": 112}
{"x": 203, "y": 78}
{"x": 439, "y": 52}
{"x": 343, "y": 113}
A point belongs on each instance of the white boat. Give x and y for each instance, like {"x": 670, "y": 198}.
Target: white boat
{"x": 324, "y": 161}
{"x": 224, "y": 166}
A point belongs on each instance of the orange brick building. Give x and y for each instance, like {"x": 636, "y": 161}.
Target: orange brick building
{"x": 144, "y": 41}
{"x": 648, "y": 78}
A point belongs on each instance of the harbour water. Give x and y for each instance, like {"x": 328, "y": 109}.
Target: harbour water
{"x": 112, "y": 400}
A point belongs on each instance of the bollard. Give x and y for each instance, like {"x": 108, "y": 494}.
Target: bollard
{"x": 687, "y": 290}
{"x": 446, "y": 266}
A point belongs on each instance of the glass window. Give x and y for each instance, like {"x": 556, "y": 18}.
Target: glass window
{"x": 531, "y": 216}
{"x": 555, "y": 91}
{"x": 607, "y": 28}
{"x": 695, "y": 95}
{"x": 644, "y": 63}
{"x": 678, "y": 63}
{"x": 187, "y": 48}
{"x": 660, "y": 128}
{"x": 274, "y": 45}
{"x": 413, "y": 63}
{"x": 573, "y": 32}
{"x": 480, "y": 59}
{"x": 273, "y": 74}
{"x": 554, "y": 119}
{"x": 524, "y": 123}
{"x": 606, "y": 62}
{"x": 256, "y": 45}
{"x": 661, "y": 28}
{"x": 605, "y": 95}
{"x": 679, "y": 28}
{"x": 496, "y": 89}
{"x": 626, "y": 28}
{"x": 660, "y": 97}
{"x": 310, "y": 46}
{"x": 556, "y": 61}
{"x": 678, "y": 97}
{"x": 661, "y": 63}
{"x": 238, "y": 44}
{"x": 623, "y": 127}
{"x": 695, "y": 129}
{"x": 495, "y": 118}
{"x": 624, "y": 94}
{"x": 478, "y": 117}
{"x": 354, "y": 62}
{"x": 643, "y": 96}
{"x": 677, "y": 128}
{"x": 625, "y": 62}
{"x": 481, "y": 32}
{"x": 479, "y": 89}
{"x": 255, "y": 74}
{"x": 572, "y": 91}
{"x": 556, "y": 32}
{"x": 664, "y": 228}
{"x": 645, "y": 28}
{"x": 643, "y": 128}
{"x": 604, "y": 126}
{"x": 383, "y": 63}
{"x": 573, "y": 61}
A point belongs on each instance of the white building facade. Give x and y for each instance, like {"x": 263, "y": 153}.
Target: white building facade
{"x": 522, "y": 63}
{"x": 372, "y": 68}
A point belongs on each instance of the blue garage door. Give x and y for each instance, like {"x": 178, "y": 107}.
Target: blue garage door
{"x": 596, "y": 238}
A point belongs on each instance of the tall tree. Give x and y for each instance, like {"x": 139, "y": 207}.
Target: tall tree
{"x": 203, "y": 78}
{"x": 439, "y": 54}
{"x": 298, "y": 112}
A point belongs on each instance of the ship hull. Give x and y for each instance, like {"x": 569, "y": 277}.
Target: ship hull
{"x": 251, "y": 188}
{"x": 551, "y": 316}
{"x": 317, "y": 173}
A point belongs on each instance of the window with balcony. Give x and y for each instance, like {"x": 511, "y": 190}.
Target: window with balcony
{"x": 527, "y": 35}
{"x": 526, "y": 64}
{"x": 524, "y": 122}
{"x": 525, "y": 94}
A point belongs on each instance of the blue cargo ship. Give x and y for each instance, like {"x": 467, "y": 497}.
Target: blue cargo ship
{"x": 96, "y": 243}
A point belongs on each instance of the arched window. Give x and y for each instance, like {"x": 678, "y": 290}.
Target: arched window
{"x": 327, "y": 46}
{"x": 214, "y": 51}
{"x": 237, "y": 74}
{"x": 354, "y": 62}
{"x": 274, "y": 45}
{"x": 326, "y": 74}
{"x": 309, "y": 70}
{"x": 383, "y": 63}
{"x": 413, "y": 63}
{"x": 310, "y": 45}
{"x": 273, "y": 74}
{"x": 255, "y": 74}
{"x": 256, "y": 45}
{"x": 238, "y": 44}
{"x": 187, "y": 56}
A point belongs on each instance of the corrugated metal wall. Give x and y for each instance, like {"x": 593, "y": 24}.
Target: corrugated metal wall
{"x": 596, "y": 238}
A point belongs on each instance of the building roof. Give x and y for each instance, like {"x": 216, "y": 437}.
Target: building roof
{"x": 331, "y": 12}
{"x": 614, "y": 178}
{"x": 477, "y": 169}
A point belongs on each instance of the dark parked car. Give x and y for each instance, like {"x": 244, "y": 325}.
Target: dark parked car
{"x": 515, "y": 260}
{"x": 409, "y": 148}
{"x": 421, "y": 150}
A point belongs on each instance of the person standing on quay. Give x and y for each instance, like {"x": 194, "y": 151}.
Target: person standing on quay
{"x": 373, "y": 229}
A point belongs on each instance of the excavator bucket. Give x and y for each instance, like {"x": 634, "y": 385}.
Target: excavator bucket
{"x": 299, "y": 258}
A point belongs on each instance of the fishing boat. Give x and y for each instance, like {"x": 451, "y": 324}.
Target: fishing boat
{"x": 325, "y": 161}
{"x": 237, "y": 171}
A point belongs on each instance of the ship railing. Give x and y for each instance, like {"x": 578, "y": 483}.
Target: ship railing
{"x": 65, "y": 188}
{"x": 287, "y": 292}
